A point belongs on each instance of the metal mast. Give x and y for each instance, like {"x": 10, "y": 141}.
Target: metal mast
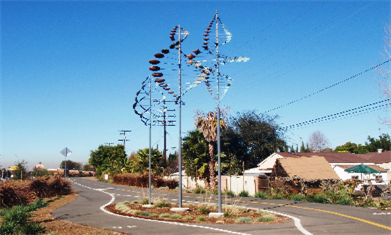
{"x": 180, "y": 119}
{"x": 218, "y": 111}
{"x": 150, "y": 132}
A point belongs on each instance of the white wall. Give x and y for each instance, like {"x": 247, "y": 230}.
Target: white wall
{"x": 233, "y": 183}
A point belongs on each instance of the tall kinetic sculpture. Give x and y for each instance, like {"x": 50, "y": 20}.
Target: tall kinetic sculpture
{"x": 201, "y": 66}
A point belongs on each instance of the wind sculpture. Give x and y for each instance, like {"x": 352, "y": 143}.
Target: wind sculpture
{"x": 201, "y": 66}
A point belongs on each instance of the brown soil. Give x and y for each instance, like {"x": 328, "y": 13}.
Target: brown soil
{"x": 193, "y": 213}
{"x": 62, "y": 227}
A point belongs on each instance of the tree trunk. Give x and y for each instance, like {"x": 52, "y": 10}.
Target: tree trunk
{"x": 211, "y": 166}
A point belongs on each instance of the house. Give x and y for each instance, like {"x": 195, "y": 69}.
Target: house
{"x": 381, "y": 159}
{"x": 308, "y": 167}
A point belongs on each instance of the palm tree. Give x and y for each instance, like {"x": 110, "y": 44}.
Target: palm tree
{"x": 207, "y": 123}
{"x": 195, "y": 158}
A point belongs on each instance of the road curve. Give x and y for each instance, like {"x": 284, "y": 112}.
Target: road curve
{"x": 314, "y": 218}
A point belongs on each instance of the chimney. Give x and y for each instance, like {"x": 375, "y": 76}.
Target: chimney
{"x": 379, "y": 150}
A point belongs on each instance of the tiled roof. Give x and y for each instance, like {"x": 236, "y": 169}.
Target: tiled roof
{"x": 380, "y": 158}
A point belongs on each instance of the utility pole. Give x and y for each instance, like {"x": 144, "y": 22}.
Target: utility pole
{"x": 109, "y": 144}
{"x": 165, "y": 123}
{"x": 123, "y": 132}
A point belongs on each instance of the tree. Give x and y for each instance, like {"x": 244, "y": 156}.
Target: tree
{"x": 195, "y": 157}
{"x": 384, "y": 79}
{"x": 304, "y": 149}
{"x": 172, "y": 164}
{"x": 140, "y": 162}
{"x": 233, "y": 151}
{"x": 107, "y": 158}
{"x": 257, "y": 136}
{"x": 207, "y": 123}
{"x": 71, "y": 165}
{"x": 348, "y": 147}
{"x": 88, "y": 167}
{"x": 384, "y": 143}
{"x": 40, "y": 172}
{"x": 318, "y": 142}
{"x": 21, "y": 170}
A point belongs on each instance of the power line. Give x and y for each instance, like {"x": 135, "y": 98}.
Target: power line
{"x": 328, "y": 87}
{"x": 344, "y": 114}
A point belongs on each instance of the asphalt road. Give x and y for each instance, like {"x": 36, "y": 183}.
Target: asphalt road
{"x": 309, "y": 218}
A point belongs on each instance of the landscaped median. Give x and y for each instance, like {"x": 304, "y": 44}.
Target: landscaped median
{"x": 197, "y": 213}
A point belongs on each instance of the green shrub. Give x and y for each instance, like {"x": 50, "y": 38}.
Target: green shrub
{"x": 277, "y": 196}
{"x": 144, "y": 201}
{"x": 199, "y": 190}
{"x": 153, "y": 215}
{"x": 245, "y": 220}
{"x": 144, "y": 213}
{"x": 229, "y": 193}
{"x": 297, "y": 197}
{"x": 160, "y": 203}
{"x": 243, "y": 194}
{"x": 345, "y": 200}
{"x": 162, "y": 216}
{"x": 204, "y": 209}
{"x": 261, "y": 212}
{"x": 261, "y": 195}
{"x": 15, "y": 219}
{"x": 187, "y": 218}
{"x": 319, "y": 198}
{"x": 266, "y": 218}
{"x": 175, "y": 216}
{"x": 200, "y": 218}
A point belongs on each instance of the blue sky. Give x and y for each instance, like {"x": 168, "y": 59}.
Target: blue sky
{"x": 70, "y": 69}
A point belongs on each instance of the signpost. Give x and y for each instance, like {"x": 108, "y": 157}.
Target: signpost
{"x": 66, "y": 152}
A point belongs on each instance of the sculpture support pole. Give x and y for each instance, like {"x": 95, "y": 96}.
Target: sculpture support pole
{"x": 179, "y": 117}
{"x": 218, "y": 112}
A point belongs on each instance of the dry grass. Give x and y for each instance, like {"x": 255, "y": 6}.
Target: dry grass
{"x": 192, "y": 215}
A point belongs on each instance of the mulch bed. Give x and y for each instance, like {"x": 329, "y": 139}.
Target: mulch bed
{"x": 193, "y": 214}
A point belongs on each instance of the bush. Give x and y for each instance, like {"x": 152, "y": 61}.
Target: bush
{"x": 15, "y": 219}
{"x": 142, "y": 180}
{"x": 144, "y": 201}
{"x": 245, "y": 220}
{"x": 162, "y": 216}
{"x": 200, "y": 218}
{"x": 203, "y": 209}
{"x": 187, "y": 218}
{"x": 297, "y": 197}
{"x": 14, "y": 193}
{"x": 153, "y": 215}
{"x": 229, "y": 193}
{"x": 319, "y": 198}
{"x": 175, "y": 216}
{"x": 261, "y": 195}
{"x": 160, "y": 203}
{"x": 22, "y": 192}
{"x": 277, "y": 196}
{"x": 144, "y": 213}
{"x": 243, "y": 194}
{"x": 199, "y": 190}
{"x": 266, "y": 218}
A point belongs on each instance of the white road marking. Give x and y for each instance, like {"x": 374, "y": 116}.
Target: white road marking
{"x": 102, "y": 208}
